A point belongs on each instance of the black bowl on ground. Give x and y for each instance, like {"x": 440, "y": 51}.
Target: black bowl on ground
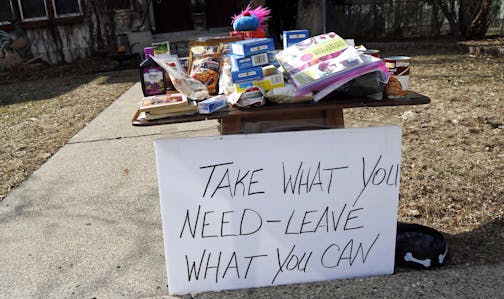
{"x": 419, "y": 246}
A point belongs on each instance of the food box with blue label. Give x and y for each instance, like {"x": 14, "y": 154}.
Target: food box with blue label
{"x": 291, "y": 37}
{"x": 212, "y": 104}
{"x": 266, "y": 83}
{"x": 272, "y": 58}
{"x": 246, "y": 62}
{"x": 254, "y": 73}
{"x": 252, "y": 46}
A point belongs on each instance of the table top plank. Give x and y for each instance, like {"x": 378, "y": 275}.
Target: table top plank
{"x": 413, "y": 98}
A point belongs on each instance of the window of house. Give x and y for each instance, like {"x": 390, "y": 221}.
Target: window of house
{"x": 66, "y": 8}
{"x": 118, "y": 4}
{"x": 33, "y": 10}
{"x": 35, "y": 13}
{"x": 6, "y": 13}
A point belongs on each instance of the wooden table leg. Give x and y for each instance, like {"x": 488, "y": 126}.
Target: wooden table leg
{"x": 231, "y": 125}
{"x": 334, "y": 118}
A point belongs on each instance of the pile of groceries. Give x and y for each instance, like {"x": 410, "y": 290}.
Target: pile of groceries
{"x": 246, "y": 72}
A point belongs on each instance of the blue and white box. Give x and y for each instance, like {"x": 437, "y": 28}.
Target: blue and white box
{"x": 212, "y": 104}
{"x": 246, "y": 62}
{"x": 247, "y": 74}
{"x": 292, "y": 37}
{"x": 272, "y": 58}
{"x": 252, "y": 46}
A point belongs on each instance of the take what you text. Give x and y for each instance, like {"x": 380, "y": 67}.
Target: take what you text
{"x": 324, "y": 208}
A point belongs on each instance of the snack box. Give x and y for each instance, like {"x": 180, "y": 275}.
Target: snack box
{"x": 246, "y": 62}
{"x": 291, "y": 37}
{"x": 252, "y": 46}
{"x": 272, "y": 58}
{"x": 161, "y": 48}
{"x": 259, "y": 33}
{"x": 212, "y": 104}
{"x": 254, "y": 73}
{"x": 266, "y": 83}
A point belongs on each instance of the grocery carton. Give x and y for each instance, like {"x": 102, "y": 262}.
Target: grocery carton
{"x": 252, "y": 46}
{"x": 259, "y": 33}
{"x": 212, "y": 104}
{"x": 291, "y": 37}
{"x": 247, "y": 74}
{"x": 246, "y": 62}
{"x": 266, "y": 83}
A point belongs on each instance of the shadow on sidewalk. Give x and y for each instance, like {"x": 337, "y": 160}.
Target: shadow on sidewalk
{"x": 483, "y": 246}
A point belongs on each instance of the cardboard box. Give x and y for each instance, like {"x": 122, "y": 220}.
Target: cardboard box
{"x": 266, "y": 83}
{"x": 212, "y": 104}
{"x": 242, "y": 63}
{"x": 291, "y": 37}
{"x": 254, "y": 73}
{"x": 252, "y": 46}
{"x": 259, "y": 33}
{"x": 272, "y": 58}
{"x": 161, "y": 48}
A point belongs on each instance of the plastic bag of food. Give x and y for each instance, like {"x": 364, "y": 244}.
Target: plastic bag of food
{"x": 190, "y": 87}
{"x": 337, "y": 82}
{"x": 207, "y": 70}
{"x": 226, "y": 85}
{"x": 286, "y": 95}
{"x": 251, "y": 97}
{"x": 173, "y": 61}
{"x": 205, "y": 60}
{"x": 370, "y": 85}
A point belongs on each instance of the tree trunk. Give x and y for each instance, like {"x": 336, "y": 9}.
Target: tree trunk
{"x": 448, "y": 9}
{"x": 282, "y": 18}
{"x": 472, "y": 18}
{"x": 479, "y": 25}
{"x": 309, "y": 16}
{"x": 397, "y": 20}
{"x": 435, "y": 22}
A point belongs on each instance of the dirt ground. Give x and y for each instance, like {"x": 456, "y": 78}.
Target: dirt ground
{"x": 452, "y": 175}
{"x": 41, "y": 110}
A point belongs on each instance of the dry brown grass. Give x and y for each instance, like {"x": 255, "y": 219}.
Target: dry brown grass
{"x": 39, "y": 112}
{"x": 452, "y": 175}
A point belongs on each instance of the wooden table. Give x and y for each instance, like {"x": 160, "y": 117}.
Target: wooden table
{"x": 327, "y": 113}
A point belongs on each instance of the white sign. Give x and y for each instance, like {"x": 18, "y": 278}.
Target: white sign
{"x": 257, "y": 210}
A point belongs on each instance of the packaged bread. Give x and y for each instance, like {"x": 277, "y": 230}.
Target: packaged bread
{"x": 193, "y": 89}
{"x": 207, "y": 71}
{"x": 205, "y": 61}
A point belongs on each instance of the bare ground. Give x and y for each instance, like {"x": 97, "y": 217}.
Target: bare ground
{"x": 452, "y": 175}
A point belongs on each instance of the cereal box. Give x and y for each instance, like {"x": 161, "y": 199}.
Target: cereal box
{"x": 291, "y": 37}
{"x": 266, "y": 83}
{"x": 247, "y": 74}
{"x": 246, "y": 62}
{"x": 252, "y": 46}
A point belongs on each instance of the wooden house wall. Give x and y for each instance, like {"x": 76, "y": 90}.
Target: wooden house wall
{"x": 94, "y": 34}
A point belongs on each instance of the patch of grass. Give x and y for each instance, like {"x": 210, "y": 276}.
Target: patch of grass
{"x": 40, "y": 114}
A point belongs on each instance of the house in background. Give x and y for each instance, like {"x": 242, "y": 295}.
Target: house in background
{"x": 66, "y": 30}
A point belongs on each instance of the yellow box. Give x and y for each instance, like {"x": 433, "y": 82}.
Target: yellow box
{"x": 266, "y": 83}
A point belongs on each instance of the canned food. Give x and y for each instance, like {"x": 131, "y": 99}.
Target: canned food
{"x": 399, "y": 69}
{"x": 373, "y": 52}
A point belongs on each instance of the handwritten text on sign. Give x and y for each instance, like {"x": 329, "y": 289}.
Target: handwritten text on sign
{"x": 266, "y": 209}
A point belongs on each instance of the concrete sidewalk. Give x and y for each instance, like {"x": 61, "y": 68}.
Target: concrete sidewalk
{"x": 87, "y": 224}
